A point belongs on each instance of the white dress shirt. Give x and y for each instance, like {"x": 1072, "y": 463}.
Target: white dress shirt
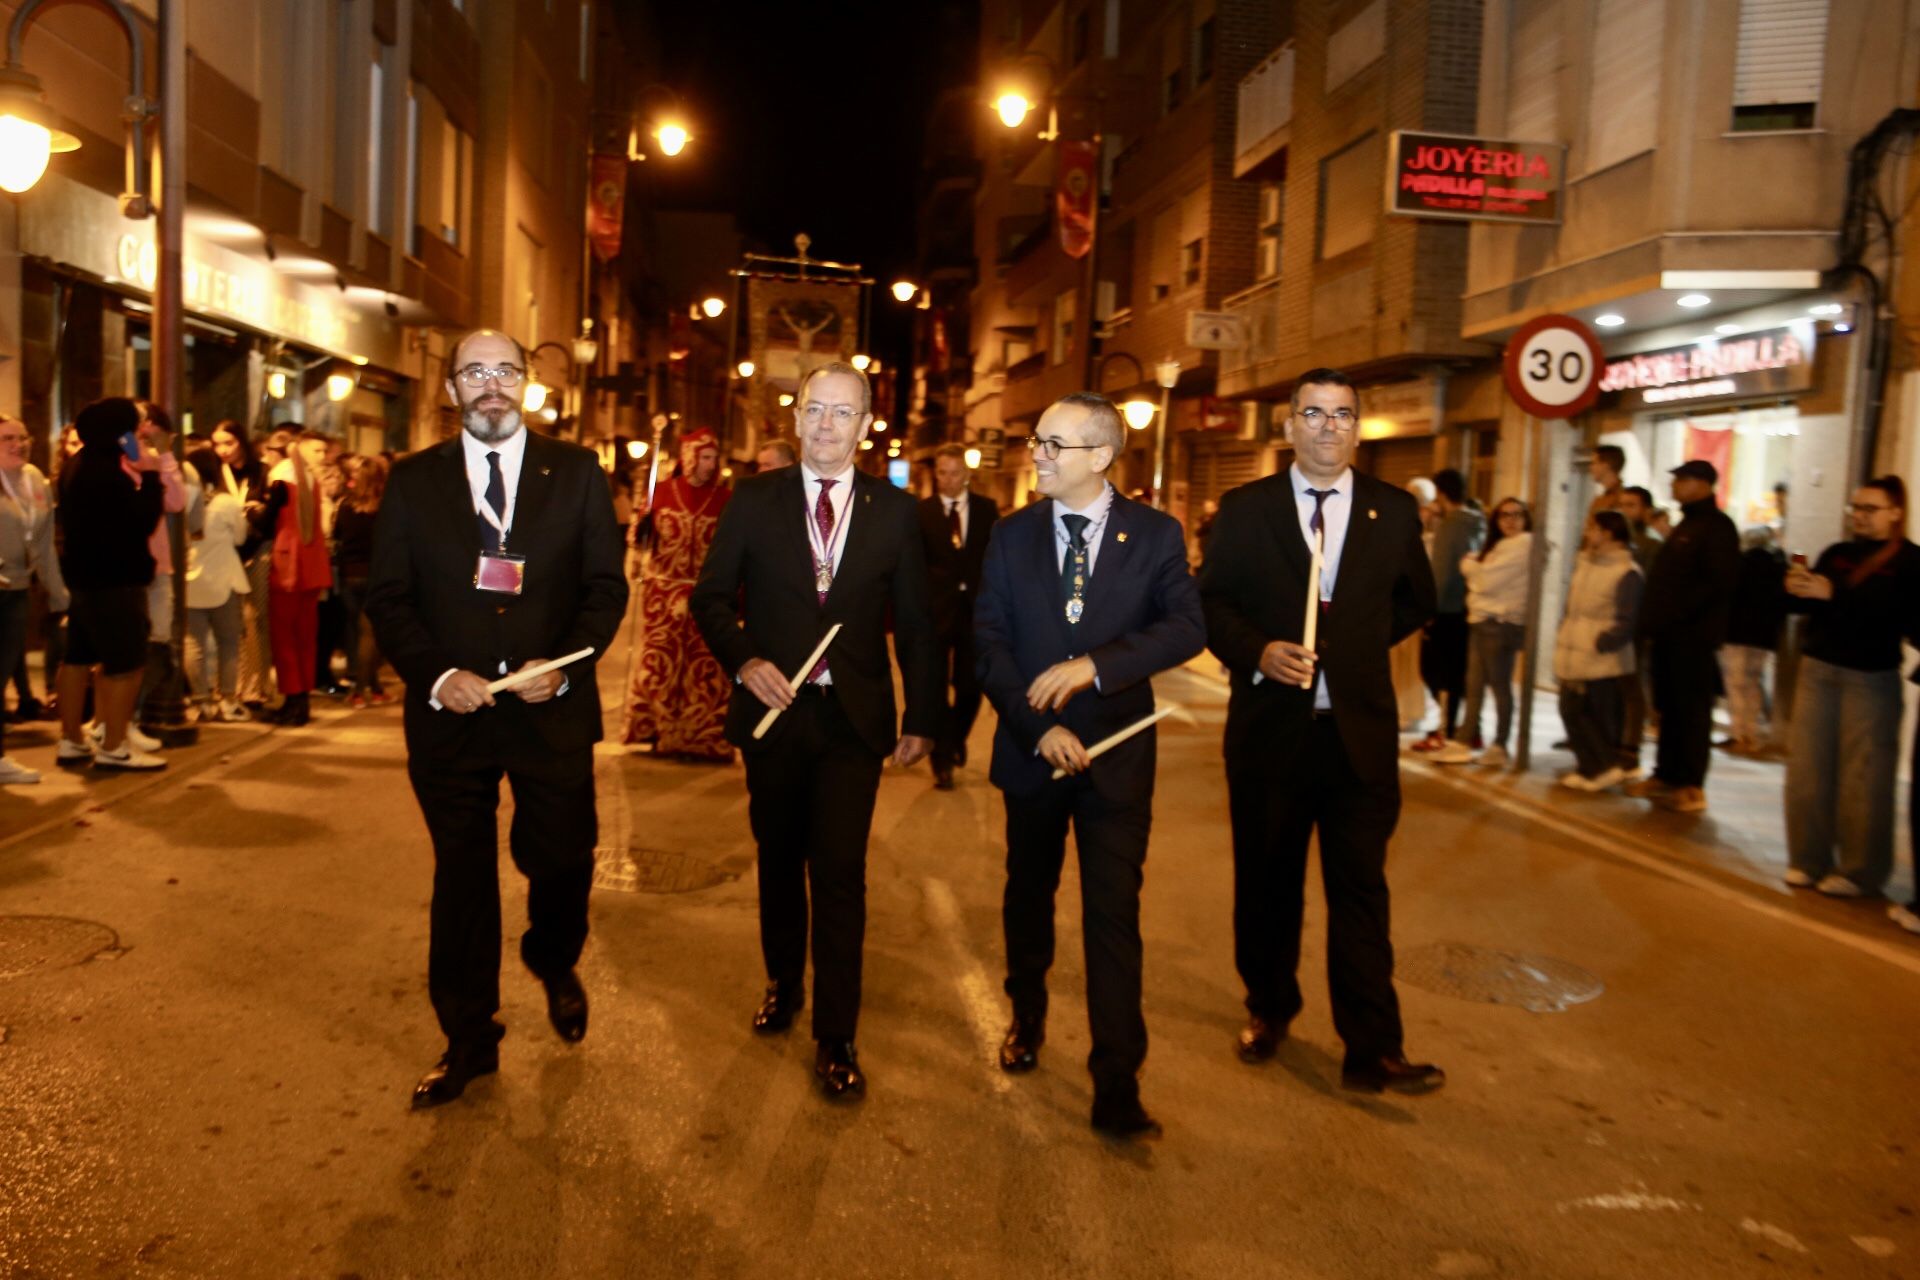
{"x": 959, "y": 504}
{"x": 839, "y": 497}
{"x": 1096, "y": 513}
{"x": 1334, "y": 514}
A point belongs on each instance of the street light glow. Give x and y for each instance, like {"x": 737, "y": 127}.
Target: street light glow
{"x": 714, "y": 307}
{"x": 636, "y": 449}
{"x": 1013, "y": 108}
{"x": 673, "y": 137}
{"x": 339, "y": 386}
{"x": 536, "y": 397}
{"x": 1139, "y": 413}
{"x": 785, "y": 399}
{"x": 880, "y": 425}
{"x": 861, "y": 361}
{"x": 277, "y": 385}
{"x": 972, "y": 459}
{"x": 745, "y": 368}
{"x": 903, "y": 290}
{"x": 25, "y": 147}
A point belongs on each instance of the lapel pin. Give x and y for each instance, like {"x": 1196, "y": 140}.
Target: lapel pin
{"x": 1372, "y": 514}
{"x": 1119, "y": 537}
{"x": 546, "y": 471}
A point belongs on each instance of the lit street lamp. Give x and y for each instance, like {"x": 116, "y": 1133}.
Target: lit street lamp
{"x": 1013, "y": 107}
{"x": 714, "y": 307}
{"x": 672, "y": 137}
{"x": 903, "y": 290}
{"x": 861, "y": 361}
{"x": 972, "y": 458}
{"x": 1139, "y": 413}
{"x": 744, "y": 368}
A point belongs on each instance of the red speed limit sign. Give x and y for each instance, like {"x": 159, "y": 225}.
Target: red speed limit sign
{"x": 1552, "y": 367}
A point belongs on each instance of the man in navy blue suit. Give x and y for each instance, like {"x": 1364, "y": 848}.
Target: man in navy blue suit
{"x": 1083, "y": 598}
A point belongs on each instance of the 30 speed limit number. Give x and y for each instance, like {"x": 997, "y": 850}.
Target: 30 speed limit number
{"x": 1553, "y": 366}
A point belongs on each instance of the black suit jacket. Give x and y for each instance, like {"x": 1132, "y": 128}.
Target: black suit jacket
{"x": 429, "y": 617}
{"x": 1142, "y": 617}
{"x": 1254, "y": 587}
{"x": 953, "y": 573}
{"x": 755, "y": 599}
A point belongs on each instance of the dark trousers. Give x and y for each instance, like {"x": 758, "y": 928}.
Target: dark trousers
{"x": 1686, "y": 681}
{"x": 1443, "y": 665}
{"x": 552, "y": 837}
{"x": 810, "y": 803}
{"x": 1633, "y": 707}
{"x": 956, "y": 659}
{"x": 1274, "y": 812}
{"x": 1591, "y": 711}
{"x": 1111, "y": 836}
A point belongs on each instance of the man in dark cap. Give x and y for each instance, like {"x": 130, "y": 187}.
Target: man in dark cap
{"x": 1684, "y": 614}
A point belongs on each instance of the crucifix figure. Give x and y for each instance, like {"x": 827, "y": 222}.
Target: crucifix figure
{"x": 804, "y": 334}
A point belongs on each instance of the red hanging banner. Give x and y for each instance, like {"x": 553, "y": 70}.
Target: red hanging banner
{"x": 1074, "y": 196}
{"x": 606, "y": 202}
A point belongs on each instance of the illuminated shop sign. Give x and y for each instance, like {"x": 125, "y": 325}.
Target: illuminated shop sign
{"x": 1440, "y": 175}
{"x": 1766, "y": 362}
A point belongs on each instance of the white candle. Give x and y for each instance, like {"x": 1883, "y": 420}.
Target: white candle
{"x": 521, "y": 677}
{"x": 1312, "y": 628}
{"x": 1113, "y": 740}
{"x": 797, "y": 679}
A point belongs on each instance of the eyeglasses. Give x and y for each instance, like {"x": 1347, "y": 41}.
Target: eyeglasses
{"x": 1342, "y": 419}
{"x": 1049, "y": 447}
{"x": 1858, "y": 508}
{"x": 813, "y": 411}
{"x": 478, "y": 375}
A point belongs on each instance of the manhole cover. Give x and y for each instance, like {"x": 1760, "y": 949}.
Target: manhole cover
{"x": 656, "y": 871}
{"x": 30, "y": 943}
{"x": 1539, "y": 984}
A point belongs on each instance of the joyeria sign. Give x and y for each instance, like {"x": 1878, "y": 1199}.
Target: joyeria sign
{"x": 1442, "y": 175}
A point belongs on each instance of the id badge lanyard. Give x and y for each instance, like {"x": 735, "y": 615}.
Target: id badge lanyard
{"x": 499, "y": 572}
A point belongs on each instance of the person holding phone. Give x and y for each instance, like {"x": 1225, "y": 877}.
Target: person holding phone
{"x": 110, "y": 498}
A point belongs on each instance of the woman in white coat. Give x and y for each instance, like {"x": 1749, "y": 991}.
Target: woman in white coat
{"x": 1593, "y": 654}
{"x": 1496, "y": 577}
{"x": 216, "y": 589}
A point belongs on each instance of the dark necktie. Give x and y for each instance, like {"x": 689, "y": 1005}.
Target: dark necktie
{"x": 1319, "y": 527}
{"x": 497, "y": 499}
{"x": 1073, "y": 565}
{"x": 823, "y": 564}
{"x": 953, "y": 524}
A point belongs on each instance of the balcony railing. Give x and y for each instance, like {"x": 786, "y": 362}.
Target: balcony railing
{"x": 1249, "y": 368}
{"x": 1266, "y": 111}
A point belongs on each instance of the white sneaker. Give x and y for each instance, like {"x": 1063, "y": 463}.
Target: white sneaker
{"x": 1905, "y": 917}
{"x": 1453, "y": 753}
{"x": 234, "y": 713}
{"x": 14, "y": 772}
{"x": 97, "y": 733}
{"x": 1795, "y": 878}
{"x": 1574, "y": 780}
{"x": 126, "y": 758}
{"x": 1838, "y": 886}
{"x": 71, "y": 755}
{"x": 1495, "y": 757}
{"x": 1612, "y": 776}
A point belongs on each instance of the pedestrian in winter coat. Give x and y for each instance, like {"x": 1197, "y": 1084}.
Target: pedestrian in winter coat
{"x": 1593, "y": 653}
{"x": 1496, "y": 581}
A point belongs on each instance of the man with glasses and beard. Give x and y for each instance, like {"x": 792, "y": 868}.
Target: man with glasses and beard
{"x": 1084, "y": 598}
{"x": 495, "y": 552}
{"x": 1312, "y": 738}
{"x": 800, "y": 550}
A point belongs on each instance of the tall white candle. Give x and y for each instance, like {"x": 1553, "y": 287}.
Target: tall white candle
{"x": 1311, "y": 632}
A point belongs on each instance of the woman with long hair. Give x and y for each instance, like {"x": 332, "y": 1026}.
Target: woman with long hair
{"x": 353, "y": 564}
{"x": 1496, "y": 577}
{"x": 216, "y": 587}
{"x": 244, "y": 476}
{"x": 1861, "y": 598}
{"x": 300, "y": 571}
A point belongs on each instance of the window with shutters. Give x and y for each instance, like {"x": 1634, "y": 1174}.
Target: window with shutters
{"x": 1533, "y": 71}
{"x": 1272, "y": 202}
{"x": 1623, "y": 95}
{"x": 1781, "y": 54}
{"x": 1350, "y": 195}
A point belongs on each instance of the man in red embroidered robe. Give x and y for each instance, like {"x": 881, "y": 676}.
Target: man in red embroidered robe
{"x": 678, "y": 702}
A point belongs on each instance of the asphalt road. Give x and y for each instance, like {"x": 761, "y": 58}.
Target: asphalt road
{"x": 221, "y": 1090}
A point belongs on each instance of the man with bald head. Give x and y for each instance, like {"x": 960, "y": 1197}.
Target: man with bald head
{"x": 495, "y": 552}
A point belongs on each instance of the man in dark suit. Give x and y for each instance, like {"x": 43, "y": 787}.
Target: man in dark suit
{"x": 796, "y": 552}
{"x": 954, "y": 526}
{"x": 1085, "y": 596}
{"x": 495, "y": 552}
{"x": 1312, "y": 733}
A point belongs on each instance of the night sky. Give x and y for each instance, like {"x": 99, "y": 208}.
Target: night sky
{"x": 812, "y": 117}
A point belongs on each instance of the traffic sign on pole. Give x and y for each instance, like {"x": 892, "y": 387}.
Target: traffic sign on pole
{"x": 1552, "y": 367}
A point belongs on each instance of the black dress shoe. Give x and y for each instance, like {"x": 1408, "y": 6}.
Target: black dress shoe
{"x": 1260, "y": 1039}
{"x": 449, "y": 1077}
{"x": 1394, "y": 1073}
{"x": 776, "y": 1012}
{"x": 960, "y": 755}
{"x": 567, "y": 1006}
{"x": 837, "y": 1068}
{"x": 1020, "y": 1051}
{"x": 943, "y": 779}
{"x": 1120, "y": 1115}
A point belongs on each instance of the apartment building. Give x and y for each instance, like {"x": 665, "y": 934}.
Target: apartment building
{"x": 365, "y": 178}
